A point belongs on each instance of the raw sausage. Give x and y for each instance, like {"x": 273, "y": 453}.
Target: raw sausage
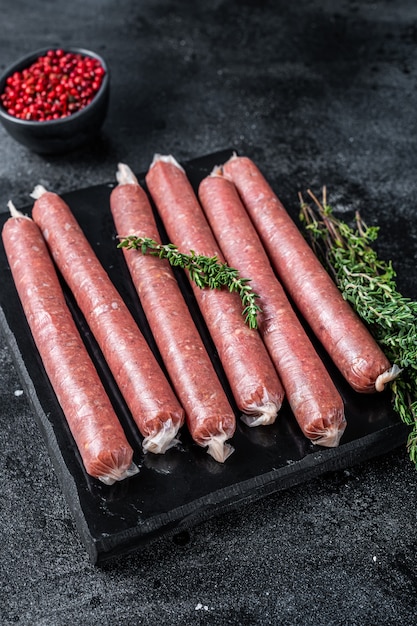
{"x": 210, "y": 418}
{"x": 102, "y": 444}
{"x": 336, "y": 325}
{"x": 252, "y": 377}
{"x": 311, "y": 393}
{"x": 151, "y": 400}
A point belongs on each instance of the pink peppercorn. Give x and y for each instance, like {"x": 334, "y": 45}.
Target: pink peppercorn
{"x": 56, "y": 85}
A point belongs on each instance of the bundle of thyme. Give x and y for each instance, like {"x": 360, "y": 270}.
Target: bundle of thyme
{"x": 204, "y": 271}
{"x": 369, "y": 284}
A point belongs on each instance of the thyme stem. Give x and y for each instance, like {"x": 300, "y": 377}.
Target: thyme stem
{"x": 369, "y": 284}
{"x": 204, "y": 271}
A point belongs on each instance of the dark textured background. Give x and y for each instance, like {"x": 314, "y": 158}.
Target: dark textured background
{"x": 316, "y": 93}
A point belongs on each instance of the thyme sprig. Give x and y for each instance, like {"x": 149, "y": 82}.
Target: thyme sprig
{"x": 204, "y": 271}
{"x": 369, "y": 284}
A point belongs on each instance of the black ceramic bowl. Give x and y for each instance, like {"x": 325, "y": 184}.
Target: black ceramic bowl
{"x": 64, "y": 134}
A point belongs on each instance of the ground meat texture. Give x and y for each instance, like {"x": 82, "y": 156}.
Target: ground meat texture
{"x": 341, "y": 332}
{"x": 311, "y": 393}
{"x": 100, "y": 439}
{"x": 151, "y": 400}
{"x": 252, "y": 377}
{"x": 209, "y": 416}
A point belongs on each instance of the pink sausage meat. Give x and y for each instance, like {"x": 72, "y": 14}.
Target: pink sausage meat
{"x": 336, "y": 325}
{"x": 248, "y": 367}
{"x": 102, "y": 444}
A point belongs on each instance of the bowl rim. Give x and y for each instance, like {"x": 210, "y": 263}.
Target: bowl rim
{"x": 32, "y": 56}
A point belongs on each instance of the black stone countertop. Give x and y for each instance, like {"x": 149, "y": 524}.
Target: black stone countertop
{"x": 316, "y": 93}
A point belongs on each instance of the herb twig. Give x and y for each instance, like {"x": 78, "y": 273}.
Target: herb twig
{"x": 204, "y": 271}
{"x": 369, "y": 284}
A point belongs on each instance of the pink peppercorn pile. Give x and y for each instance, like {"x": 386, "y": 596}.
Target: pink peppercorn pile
{"x": 56, "y": 85}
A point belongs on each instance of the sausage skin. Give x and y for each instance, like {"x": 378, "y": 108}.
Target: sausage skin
{"x": 341, "y": 332}
{"x": 253, "y": 379}
{"x": 209, "y": 416}
{"x": 98, "y": 434}
{"x": 151, "y": 400}
{"x": 311, "y": 393}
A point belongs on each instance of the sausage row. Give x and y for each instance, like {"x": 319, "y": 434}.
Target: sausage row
{"x": 237, "y": 218}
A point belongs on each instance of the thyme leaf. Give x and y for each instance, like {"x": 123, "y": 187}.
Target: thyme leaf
{"x": 369, "y": 284}
{"x": 204, "y": 271}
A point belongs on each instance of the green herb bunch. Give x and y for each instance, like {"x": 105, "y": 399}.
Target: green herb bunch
{"x": 369, "y": 284}
{"x": 204, "y": 271}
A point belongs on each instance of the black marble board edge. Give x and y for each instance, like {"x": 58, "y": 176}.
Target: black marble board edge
{"x": 310, "y": 467}
{"x": 65, "y": 479}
